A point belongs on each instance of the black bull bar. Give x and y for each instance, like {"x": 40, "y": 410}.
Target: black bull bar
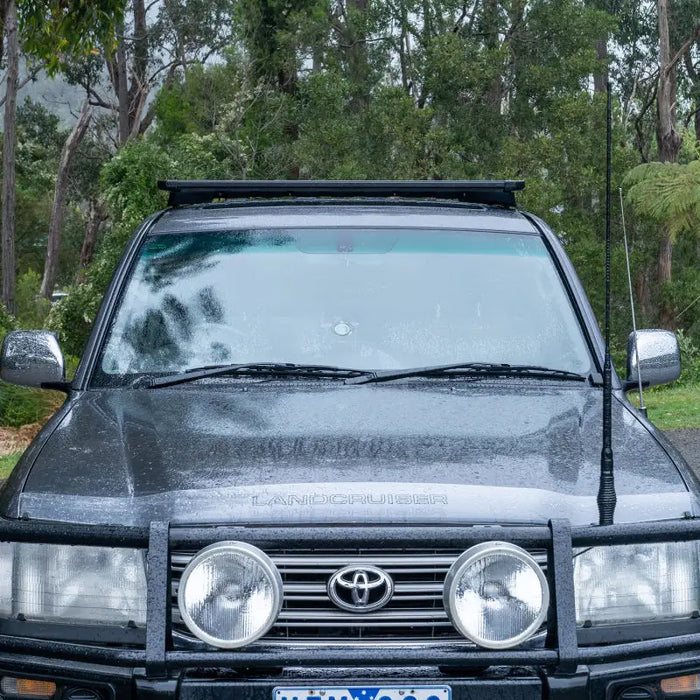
{"x": 561, "y": 655}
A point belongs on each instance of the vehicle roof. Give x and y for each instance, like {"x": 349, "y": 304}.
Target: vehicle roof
{"x": 321, "y": 213}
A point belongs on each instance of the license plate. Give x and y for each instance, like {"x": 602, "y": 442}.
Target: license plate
{"x": 354, "y": 692}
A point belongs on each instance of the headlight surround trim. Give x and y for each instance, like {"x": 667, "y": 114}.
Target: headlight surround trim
{"x": 262, "y": 560}
{"x": 465, "y": 560}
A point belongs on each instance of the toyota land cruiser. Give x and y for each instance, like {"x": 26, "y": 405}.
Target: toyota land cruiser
{"x": 341, "y": 441}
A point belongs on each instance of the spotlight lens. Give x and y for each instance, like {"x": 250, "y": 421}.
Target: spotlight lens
{"x": 230, "y": 594}
{"x": 496, "y": 595}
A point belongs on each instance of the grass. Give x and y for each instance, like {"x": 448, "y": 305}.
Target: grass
{"x": 7, "y": 464}
{"x": 672, "y": 407}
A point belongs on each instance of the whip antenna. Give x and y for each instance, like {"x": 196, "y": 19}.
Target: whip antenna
{"x": 642, "y": 407}
{"x": 606, "y": 491}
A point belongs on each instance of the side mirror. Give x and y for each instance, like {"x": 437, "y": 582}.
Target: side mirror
{"x": 657, "y": 357}
{"x": 32, "y": 358}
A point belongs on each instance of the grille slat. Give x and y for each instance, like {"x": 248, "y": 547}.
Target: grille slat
{"x": 408, "y": 587}
{"x": 372, "y": 626}
{"x": 333, "y": 616}
{"x": 385, "y": 561}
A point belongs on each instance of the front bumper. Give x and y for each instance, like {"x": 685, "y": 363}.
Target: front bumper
{"x": 610, "y": 681}
{"x": 561, "y": 669}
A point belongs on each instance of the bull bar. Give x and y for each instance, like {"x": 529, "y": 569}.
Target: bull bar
{"x": 561, "y": 655}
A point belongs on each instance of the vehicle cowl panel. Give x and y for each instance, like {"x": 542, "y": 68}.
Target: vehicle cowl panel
{"x": 286, "y": 452}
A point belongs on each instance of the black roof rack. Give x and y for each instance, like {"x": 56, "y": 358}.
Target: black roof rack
{"x": 476, "y": 191}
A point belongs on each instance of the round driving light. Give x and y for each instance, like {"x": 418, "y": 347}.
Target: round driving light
{"x": 496, "y": 595}
{"x": 230, "y": 594}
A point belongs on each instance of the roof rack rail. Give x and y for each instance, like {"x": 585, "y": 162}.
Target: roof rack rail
{"x": 476, "y": 191}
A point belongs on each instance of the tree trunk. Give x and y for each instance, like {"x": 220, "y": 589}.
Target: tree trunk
{"x": 122, "y": 89}
{"x": 356, "y": 52}
{"x": 665, "y": 260}
{"x": 177, "y": 28}
{"x": 668, "y": 144}
{"x": 59, "y": 200}
{"x": 600, "y": 82}
{"x": 668, "y": 139}
{"x": 140, "y": 43}
{"x": 694, "y": 78}
{"x": 139, "y": 89}
{"x": 4, "y": 4}
{"x": 96, "y": 216}
{"x": 9, "y": 141}
{"x": 491, "y": 27}
{"x": 643, "y": 295}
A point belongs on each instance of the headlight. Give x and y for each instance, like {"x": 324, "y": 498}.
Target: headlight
{"x": 62, "y": 583}
{"x": 496, "y": 595}
{"x": 230, "y": 594}
{"x": 636, "y": 583}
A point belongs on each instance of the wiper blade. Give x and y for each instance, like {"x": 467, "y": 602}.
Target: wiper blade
{"x": 250, "y": 368}
{"x": 490, "y": 369}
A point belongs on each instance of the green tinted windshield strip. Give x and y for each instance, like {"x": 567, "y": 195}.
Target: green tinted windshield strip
{"x": 344, "y": 241}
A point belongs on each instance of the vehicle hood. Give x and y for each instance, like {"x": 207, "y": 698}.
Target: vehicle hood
{"x": 299, "y": 451}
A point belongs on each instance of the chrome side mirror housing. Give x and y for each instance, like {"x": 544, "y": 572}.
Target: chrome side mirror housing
{"x": 32, "y": 358}
{"x": 657, "y": 357}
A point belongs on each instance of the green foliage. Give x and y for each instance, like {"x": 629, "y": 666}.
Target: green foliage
{"x": 674, "y": 407}
{"x": 130, "y": 183}
{"x": 690, "y": 359}
{"x": 7, "y": 464}
{"x": 668, "y": 193}
{"x": 53, "y": 30}
{"x": 71, "y": 318}
{"x": 32, "y": 309}
{"x": 19, "y": 405}
{"x": 7, "y": 322}
{"x": 129, "y": 187}
{"x": 40, "y": 140}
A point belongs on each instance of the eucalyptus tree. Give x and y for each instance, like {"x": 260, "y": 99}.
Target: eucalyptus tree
{"x": 49, "y": 31}
{"x": 149, "y": 46}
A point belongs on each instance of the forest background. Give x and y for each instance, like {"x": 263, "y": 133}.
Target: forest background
{"x": 382, "y": 89}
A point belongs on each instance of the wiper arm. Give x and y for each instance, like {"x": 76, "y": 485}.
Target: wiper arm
{"x": 261, "y": 368}
{"x": 490, "y": 369}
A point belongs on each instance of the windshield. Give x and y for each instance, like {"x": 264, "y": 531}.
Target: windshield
{"x": 357, "y": 298}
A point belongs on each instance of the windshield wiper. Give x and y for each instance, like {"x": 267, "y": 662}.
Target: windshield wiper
{"x": 488, "y": 369}
{"x": 249, "y": 368}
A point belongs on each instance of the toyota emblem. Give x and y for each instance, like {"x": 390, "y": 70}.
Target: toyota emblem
{"x": 361, "y": 588}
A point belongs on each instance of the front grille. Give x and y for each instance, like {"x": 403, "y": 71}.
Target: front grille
{"x": 414, "y": 613}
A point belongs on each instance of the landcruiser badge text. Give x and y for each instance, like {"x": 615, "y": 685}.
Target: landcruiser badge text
{"x": 343, "y": 499}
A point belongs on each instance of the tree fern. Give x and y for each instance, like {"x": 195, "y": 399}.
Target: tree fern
{"x": 668, "y": 193}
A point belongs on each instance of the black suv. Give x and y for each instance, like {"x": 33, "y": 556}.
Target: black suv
{"x": 342, "y": 441}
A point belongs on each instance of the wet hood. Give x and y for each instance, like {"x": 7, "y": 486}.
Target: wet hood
{"x": 290, "y": 452}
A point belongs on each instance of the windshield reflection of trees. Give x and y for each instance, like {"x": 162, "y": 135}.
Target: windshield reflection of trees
{"x": 168, "y": 336}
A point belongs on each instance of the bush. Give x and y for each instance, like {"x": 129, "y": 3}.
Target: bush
{"x": 32, "y": 309}
{"x": 690, "y": 359}
{"x": 71, "y": 318}
{"x": 19, "y": 405}
{"x": 129, "y": 187}
{"x": 7, "y": 322}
